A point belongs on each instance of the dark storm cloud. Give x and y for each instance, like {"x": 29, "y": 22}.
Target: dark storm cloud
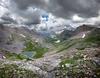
{"x": 23, "y": 4}
{"x": 21, "y": 10}
{"x": 66, "y": 8}
{"x": 28, "y": 13}
{"x": 98, "y": 1}
{"x": 31, "y": 17}
{"x": 7, "y": 19}
{"x": 59, "y": 8}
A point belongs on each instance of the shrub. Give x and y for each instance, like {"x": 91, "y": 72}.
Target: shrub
{"x": 13, "y": 71}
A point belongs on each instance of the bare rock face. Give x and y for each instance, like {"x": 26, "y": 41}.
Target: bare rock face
{"x": 12, "y": 38}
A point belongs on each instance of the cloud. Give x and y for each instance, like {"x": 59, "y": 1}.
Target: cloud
{"x": 63, "y": 8}
{"x": 76, "y": 18}
{"x": 30, "y": 11}
{"x": 28, "y": 16}
{"x": 7, "y": 18}
{"x": 66, "y": 8}
{"x": 98, "y": 1}
{"x": 23, "y": 4}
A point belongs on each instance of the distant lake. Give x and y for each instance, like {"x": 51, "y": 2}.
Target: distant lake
{"x": 29, "y": 54}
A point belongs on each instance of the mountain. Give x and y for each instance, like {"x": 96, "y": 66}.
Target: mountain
{"x": 66, "y": 34}
{"x": 13, "y": 38}
{"x": 84, "y": 27}
{"x": 74, "y": 57}
{"x": 79, "y": 32}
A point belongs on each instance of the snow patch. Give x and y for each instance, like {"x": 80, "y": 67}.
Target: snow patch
{"x": 58, "y": 41}
{"x": 22, "y": 35}
{"x": 83, "y": 36}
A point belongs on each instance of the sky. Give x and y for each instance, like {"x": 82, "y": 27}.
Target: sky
{"x": 50, "y": 12}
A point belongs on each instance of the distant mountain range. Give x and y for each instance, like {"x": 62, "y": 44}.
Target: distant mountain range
{"x": 13, "y": 38}
{"x": 79, "y": 31}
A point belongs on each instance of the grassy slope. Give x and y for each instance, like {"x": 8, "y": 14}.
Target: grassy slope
{"x": 35, "y": 47}
{"x": 81, "y": 65}
{"x": 92, "y": 40}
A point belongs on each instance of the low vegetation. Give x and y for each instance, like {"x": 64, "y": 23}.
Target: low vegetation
{"x": 31, "y": 46}
{"x": 14, "y": 56}
{"x": 93, "y": 38}
{"x": 68, "y": 44}
{"x": 13, "y": 71}
{"x": 80, "y": 66}
{"x": 80, "y": 44}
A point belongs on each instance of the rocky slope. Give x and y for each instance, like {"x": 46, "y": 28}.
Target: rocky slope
{"x": 76, "y": 57}
{"x": 13, "y": 38}
{"x": 79, "y": 32}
